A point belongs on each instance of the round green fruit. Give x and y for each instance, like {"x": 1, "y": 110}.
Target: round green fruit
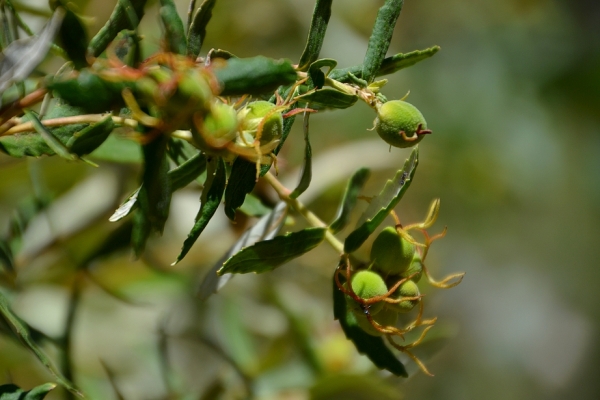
{"x": 406, "y": 289}
{"x": 415, "y": 270}
{"x": 386, "y": 317}
{"x": 366, "y": 285}
{"x": 391, "y": 253}
{"x": 396, "y": 116}
{"x": 253, "y": 114}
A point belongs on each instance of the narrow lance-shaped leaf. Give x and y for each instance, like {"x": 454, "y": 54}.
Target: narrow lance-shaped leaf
{"x": 89, "y": 139}
{"x": 316, "y": 35}
{"x": 210, "y": 200}
{"x": 254, "y": 75}
{"x": 173, "y": 27}
{"x": 51, "y": 140}
{"x": 389, "y": 65}
{"x": 265, "y": 228}
{"x": 73, "y": 38}
{"x": 328, "y": 98}
{"x": 380, "y": 39}
{"x": 353, "y": 189}
{"x": 13, "y": 392}
{"x": 269, "y": 254}
{"x": 371, "y": 346}
{"x": 21, "y": 329}
{"x": 197, "y": 28}
{"x": 121, "y": 18}
{"x": 307, "y": 167}
{"x": 22, "y": 56}
{"x": 383, "y": 204}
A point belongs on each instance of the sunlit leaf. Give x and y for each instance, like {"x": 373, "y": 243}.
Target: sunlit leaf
{"x": 269, "y": 254}
{"x": 316, "y": 34}
{"x": 13, "y": 392}
{"x": 266, "y": 228}
{"x": 380, "y": 206}
{"x": 355, "y": 185}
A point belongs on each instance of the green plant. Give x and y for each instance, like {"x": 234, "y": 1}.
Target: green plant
{"x": 221, "y": 120}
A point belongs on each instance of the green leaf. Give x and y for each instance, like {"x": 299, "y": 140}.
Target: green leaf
{"x": 383, "y": 204}
{"x": 22, "y": 331}
{"x": 121, "y": 18}
{"x": 317, "y": 77}
{"x": 269, "y": 254}
{"x": 52, "y": 141}
{"x": 254, "y": 75}
{"x": 173, "y": 26}
{"x": 253, "y": 207}
{"x": 210, "y": 200}
{"x": 265, "y": 228}
{"x": 126, "y": 46}
{"x": 328, "y": 98}
{"x": 118, "y": 149}
{"x": 353, "y": 189}
{"x": 197, "y": 28}
{"x": 13, "y": 392}
{"x": 117, "y": 240}
{"x": 372, "y": 346}
{"x": 241, "y": 182}
{"x": 316, "y": 34}
{"x": 389, "y": 65}
{"x": 355, "y": 387}
{"x": 33, "y": 144}
{"x": 89, "y": 139}
{"x": 73, "y": 38}
{"x": 154, "y": 197}
{"x": 380, "y": 39}
{"x": 21, "y": 57}
{"x": 307, "y": 167}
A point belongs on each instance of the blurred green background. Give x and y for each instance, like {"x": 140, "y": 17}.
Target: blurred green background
{"x": 513, "y": 99}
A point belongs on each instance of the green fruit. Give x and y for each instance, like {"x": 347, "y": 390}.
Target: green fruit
{"x": 252, "y": 115}
{"x": 217, "y": 128}
{"x": 398, "y": 116}
{"x": 391, "y": 253}
{"x": 366, "y": 285}
{"x": 386, "y": 317}
{"x": 406, "y": 289}
{"x": 415, "y": 269}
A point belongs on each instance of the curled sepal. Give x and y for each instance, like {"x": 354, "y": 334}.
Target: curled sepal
{"x": 372, "y": 346}
{"x": 383, "y": 204}
{"x": 269, "y": 254}
{"x": 210, "y": 200}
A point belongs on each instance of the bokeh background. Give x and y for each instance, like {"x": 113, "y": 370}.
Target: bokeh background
{"x": 513, "y": 98}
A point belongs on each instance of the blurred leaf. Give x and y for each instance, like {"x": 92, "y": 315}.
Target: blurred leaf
{"x": 126, "y": 207}
{"x": 238, "y": 340}
{"x": 88, "y": 91}
{"x": 389, "y": 65}
{"x": 353, "y": 189}
{"x": 22, "y": 56}
{"x": 22, "y": 330}
{"x": 253, "y": 207}
{"x": 328, "y": 98}
{"x": 173, "y": 26}
{"x": 154, "y": 196}
{"x": 117, "y": 240}
{"x": 15, "y": 92}
{"x": 52, "y": 141}
{"x": 210, "y": 200}
{"x": 126, "y": 46}
{"x": 266, "y": 228}
{"x": 254, "y": 75}
{"x": 354, "y": 387}
{"x": 316, "y": 34}
{"x": 307, "y": 166}
{"x": 13, "y": 392}
{"x": 380, "y": 206}
{"x": 372, "y": 346}
{"x": 120, "y": 19}
{"x": 73, "y": 38}
{"x": 119, "y": 150}
{"x": 89, "y": 139}
{"x": 269, "y": 254}
{"x": 197, "y": 29}
{"x": 241, "y": 182}
{"x": 380, "y": 39}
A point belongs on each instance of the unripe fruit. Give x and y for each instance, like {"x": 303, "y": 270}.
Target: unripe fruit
{"x": 391, "y": 253}
{"x": 366, "y": 285}
{"x": 252, "y": 115}
{"x": 386, "y": 317}
{"x": 396, "y": 116}
{"x": 217, "y": 128}
{"x": 406, "y": 289}
{"x": 415, "y": 270}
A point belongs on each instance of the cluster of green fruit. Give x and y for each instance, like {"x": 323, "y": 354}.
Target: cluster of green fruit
{"x": 396, "y": 266}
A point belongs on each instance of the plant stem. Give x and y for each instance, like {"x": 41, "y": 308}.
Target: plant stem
{"x": 284, "y": 195}
{"x": 76, "y": 119}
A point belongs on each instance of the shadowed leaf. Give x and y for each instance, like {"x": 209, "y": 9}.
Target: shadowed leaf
{"x": 197, "y": 29}
{"x": 328, "y": 98}
{"x": 89, "y": 139}
{"x": 355, "y": 185}
{"x": 307, "y": 166}
{"x": 174, "y": 32}
{"x": 73, "y": 38}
